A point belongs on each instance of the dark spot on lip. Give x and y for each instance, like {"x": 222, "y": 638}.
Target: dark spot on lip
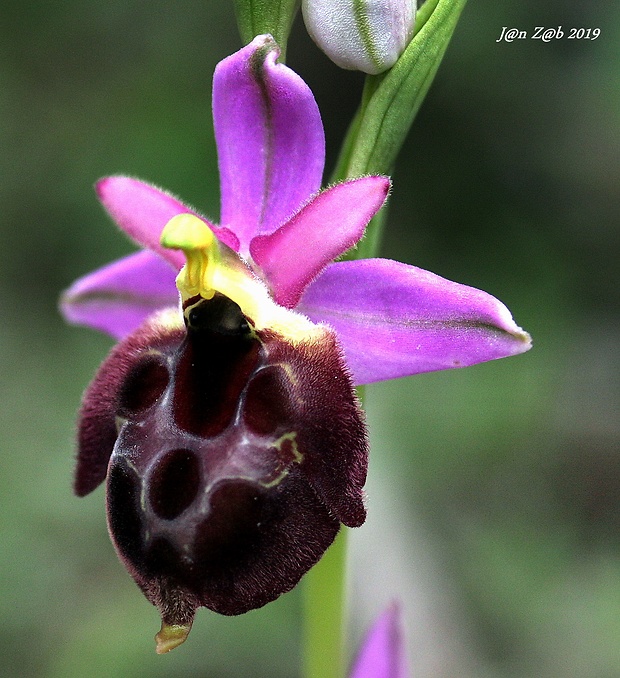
{"x": 123, "y": 497}
{"x": 233, "y": 529}
{"x": 143, "y": 386}
{"x": 174, "y": 483}
{"x": 266, "y": 405}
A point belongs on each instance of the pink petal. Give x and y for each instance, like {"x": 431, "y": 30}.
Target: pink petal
{"x": 383, "y": 653}
{"x": 270, "y": 141}
{"x": 142, "y": 211}
{"x": 325, "y": 228}
{"x": 395, "y": 320}
{"x": 117, "y": 298}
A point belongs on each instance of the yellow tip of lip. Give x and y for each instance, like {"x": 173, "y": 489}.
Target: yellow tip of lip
{"x": 187, "y": 232}
{"x": 171, "y": 636}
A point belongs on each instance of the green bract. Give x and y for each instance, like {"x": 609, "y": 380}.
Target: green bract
{"x": 392, "y": 99}
{"x": 256, "y": 17}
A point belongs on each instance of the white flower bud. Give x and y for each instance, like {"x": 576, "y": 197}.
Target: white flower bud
{"x": 363, "y": 35}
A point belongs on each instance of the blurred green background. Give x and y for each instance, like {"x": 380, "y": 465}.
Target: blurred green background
{"x": 494, "y": 492}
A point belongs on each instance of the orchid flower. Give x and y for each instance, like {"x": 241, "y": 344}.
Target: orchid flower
{"x": 227, "y": 426}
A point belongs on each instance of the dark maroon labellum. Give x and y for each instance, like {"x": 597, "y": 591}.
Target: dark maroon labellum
{"x": 232, "y": 456}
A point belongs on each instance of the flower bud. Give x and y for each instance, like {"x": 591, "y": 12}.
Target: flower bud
{"x": 363, "y": 35}
{"x": 234, "y": 455}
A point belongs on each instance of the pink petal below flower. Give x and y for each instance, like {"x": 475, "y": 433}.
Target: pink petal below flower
{"x": 270, "y": 141}
{"x": 383, "y": 653}
{"x": 394, "y": 320}
{"x": 117, "y": 298}
{"x": 329, "y": 225}
{"x": 142, "y": 211}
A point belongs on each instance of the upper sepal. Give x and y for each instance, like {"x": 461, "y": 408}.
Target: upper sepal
{"x": 270, "y": 140}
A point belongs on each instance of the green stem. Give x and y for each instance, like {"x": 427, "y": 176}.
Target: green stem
{"x": 341, "y": 172}
{"x": 325, "y": 613}
{"x": 387, "y": 108}
{"x": 325, "y": 600}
